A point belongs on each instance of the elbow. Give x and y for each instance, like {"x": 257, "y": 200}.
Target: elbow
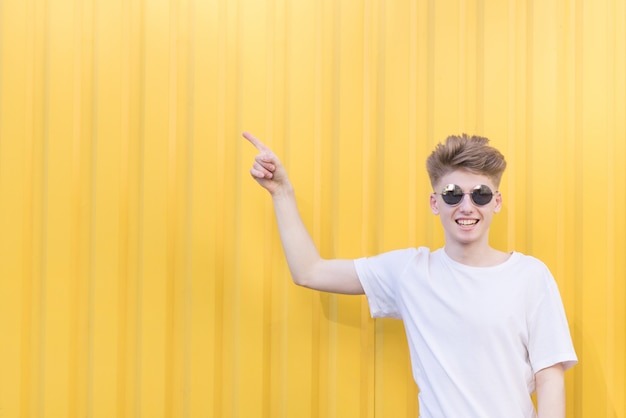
{"x": 304, "y": 275}
{"x": 301, "y": 280}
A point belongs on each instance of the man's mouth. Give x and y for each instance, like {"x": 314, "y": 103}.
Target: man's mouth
{"x": 467, "y": 222}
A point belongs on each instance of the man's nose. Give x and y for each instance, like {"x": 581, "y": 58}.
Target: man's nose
{"x": 466, "y": 203}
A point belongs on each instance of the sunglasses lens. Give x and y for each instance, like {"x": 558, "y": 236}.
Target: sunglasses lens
{"x": 452, "y": 194}
{"x": 481, "y": 195}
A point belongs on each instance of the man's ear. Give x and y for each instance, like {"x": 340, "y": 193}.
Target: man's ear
{"x": 498, "y": 207}
{"x": 433, "y": 204}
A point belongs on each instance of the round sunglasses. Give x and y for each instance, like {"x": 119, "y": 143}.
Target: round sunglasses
{"x": 452, "y": 194}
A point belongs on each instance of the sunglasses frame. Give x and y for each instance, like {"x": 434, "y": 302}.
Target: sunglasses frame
{"x": 456, "y": 190}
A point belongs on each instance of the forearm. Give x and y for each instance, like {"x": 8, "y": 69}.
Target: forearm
{"x": 307, "y": 267}
{"x": 299, "y": 248}
{"x": 551, "y": 392}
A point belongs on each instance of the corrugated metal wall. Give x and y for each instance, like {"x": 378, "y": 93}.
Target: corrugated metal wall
{"x": 141, "y": 274}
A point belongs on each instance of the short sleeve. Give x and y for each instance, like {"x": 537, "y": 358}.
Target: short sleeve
{"x": 379, "y": 276}
{"x": 549, "y": 340}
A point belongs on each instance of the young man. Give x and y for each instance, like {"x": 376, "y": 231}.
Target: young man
{"x": 486, "y": 328}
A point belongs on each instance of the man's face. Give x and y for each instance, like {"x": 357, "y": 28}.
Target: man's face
{"x": 465, "y": 222}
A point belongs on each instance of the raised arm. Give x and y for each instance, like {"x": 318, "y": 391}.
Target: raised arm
{"x": 307, "y": 267}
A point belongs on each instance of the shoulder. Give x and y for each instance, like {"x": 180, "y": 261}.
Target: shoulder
{"x": 535, "y": 274}
{"x": 396, "y": 260}
{"x": 403, "y": 254}
{"x": 529, "y": 263}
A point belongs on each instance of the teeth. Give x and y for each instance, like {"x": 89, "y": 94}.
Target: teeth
{"x": 467, "y": 222}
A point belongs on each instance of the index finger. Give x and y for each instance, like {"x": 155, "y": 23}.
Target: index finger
{"x": 255, "y": 141}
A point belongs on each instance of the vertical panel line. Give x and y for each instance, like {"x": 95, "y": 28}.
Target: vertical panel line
{"x": 271, "y": 28}
{"x": 80, "y": 383}
{"x": 126, "y": 177}
{"x": 368, "y": 65}
{"x": 413, "y": 147}
{"x": 141, "y": 200}
{"x": 188, "y": 226}
{"x": 610, "y": 204}
{"x": 368, "y": 18}
{"x": 512, "y": 121}
{"x": 578, "y": 213}
{"x": 381, "y": 111}
{"x": 27, "y": 382}
{"x": 412, "y": 141}
{"x": 620, "y": 178}
{"x": 220, "y": 154}
{"x": 336, "y": 130}
{"x": 237, "y": 201}
{"x": 368, "y": 383}
{"x": 93, "y": 205}
{"x": 172, "y": 236}
{"x": 124, "y": 217}
{"x": 73, "y": 360}
{"x": 317, "y": 195}
{"x": 45, "y": 136}
{"x": 561, "y": 113}
{"x": 529, "y": 122}
{"x": 284, "y": 306}
{"x": 461, "y": 80}
{"x": 1, "y": 67}
{"x": 480, "y": 66}
{"x": 430, "y": 96}
{"x": 380, "y": 104}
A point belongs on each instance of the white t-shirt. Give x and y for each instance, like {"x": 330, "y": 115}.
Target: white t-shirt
{"x": 477, "y": 335}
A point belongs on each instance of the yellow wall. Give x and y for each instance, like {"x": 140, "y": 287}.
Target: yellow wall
{"x": 141, "y": 273}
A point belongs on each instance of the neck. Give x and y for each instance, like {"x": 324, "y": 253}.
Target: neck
{"x": 475, "y": 254}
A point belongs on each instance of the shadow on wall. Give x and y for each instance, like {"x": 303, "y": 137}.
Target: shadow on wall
{"x": 595, "y": 373}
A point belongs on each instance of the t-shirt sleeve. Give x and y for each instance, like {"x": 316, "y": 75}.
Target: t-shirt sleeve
{"x": 549, "y": 341}
{"x": 379, "y": 276}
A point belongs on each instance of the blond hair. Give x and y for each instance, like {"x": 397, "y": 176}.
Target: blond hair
{"x": 464, "y": 152}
